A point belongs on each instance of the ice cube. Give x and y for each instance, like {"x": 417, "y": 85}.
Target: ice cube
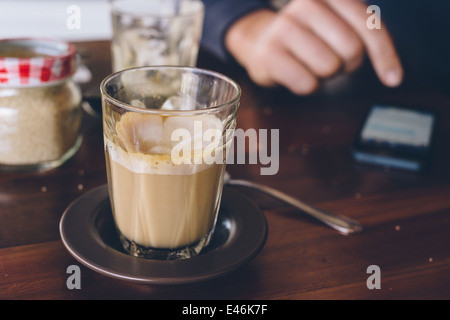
{"x": 196, "y": 127}
{"x": 139, "y": 132}
{"x": 137, "y": 103}
{"x": 180, "y": 102}
{"x": 160, "y": 150}
{"x": 189, "y": 84}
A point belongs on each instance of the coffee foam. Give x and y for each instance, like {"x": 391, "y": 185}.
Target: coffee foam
{"x": 143, "y": 143}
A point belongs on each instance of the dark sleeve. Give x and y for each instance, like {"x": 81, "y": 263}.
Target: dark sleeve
{"x": 219, "y": 15}
{"x": 420, "y": 31}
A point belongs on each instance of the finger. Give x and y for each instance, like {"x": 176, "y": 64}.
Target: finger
{"x": 288, "y": 72}
{"x": 331, "y": 28}
{"x": 304, "y": 45}
{"x": 378, "y": 43}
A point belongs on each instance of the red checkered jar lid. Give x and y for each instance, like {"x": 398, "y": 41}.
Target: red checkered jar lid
{"x": 35, "y": 62}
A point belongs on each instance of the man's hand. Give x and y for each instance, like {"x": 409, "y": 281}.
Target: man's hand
{"x": 310, "y": 40}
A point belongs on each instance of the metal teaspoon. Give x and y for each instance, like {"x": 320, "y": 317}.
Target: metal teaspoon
{"x": 340, "y": 223}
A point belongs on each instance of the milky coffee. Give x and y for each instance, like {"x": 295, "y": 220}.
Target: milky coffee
{"x": 157, "y": 203}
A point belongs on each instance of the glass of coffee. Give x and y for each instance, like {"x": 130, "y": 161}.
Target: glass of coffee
{"x": 155, "y": 32}
{"x": 167, "y": 131}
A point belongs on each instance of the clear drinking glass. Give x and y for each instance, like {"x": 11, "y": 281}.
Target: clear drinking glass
{"x": 156, "y": 32}
{"x": 166, "y": 133}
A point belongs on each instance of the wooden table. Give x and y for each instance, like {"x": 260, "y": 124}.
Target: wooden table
{"x": 406, "y": 216}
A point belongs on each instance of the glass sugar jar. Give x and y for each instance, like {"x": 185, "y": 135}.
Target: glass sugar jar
{"x": 40, "y": 113}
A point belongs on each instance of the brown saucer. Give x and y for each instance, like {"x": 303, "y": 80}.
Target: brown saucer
{"x": 88, "y": 233}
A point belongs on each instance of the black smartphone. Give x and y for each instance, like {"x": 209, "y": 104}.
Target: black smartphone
{"x": 396, "y": 136}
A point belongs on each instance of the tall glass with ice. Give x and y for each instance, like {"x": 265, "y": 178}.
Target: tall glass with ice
{"x": 155, "y": 32}
{"x": 166, "y": 134}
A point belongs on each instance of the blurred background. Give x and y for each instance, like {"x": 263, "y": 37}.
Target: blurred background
{"x": 420, "y": 29}
{"x": 55, "y": 18}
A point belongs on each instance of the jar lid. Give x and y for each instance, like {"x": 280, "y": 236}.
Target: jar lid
{"x": 34, "y": 62}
